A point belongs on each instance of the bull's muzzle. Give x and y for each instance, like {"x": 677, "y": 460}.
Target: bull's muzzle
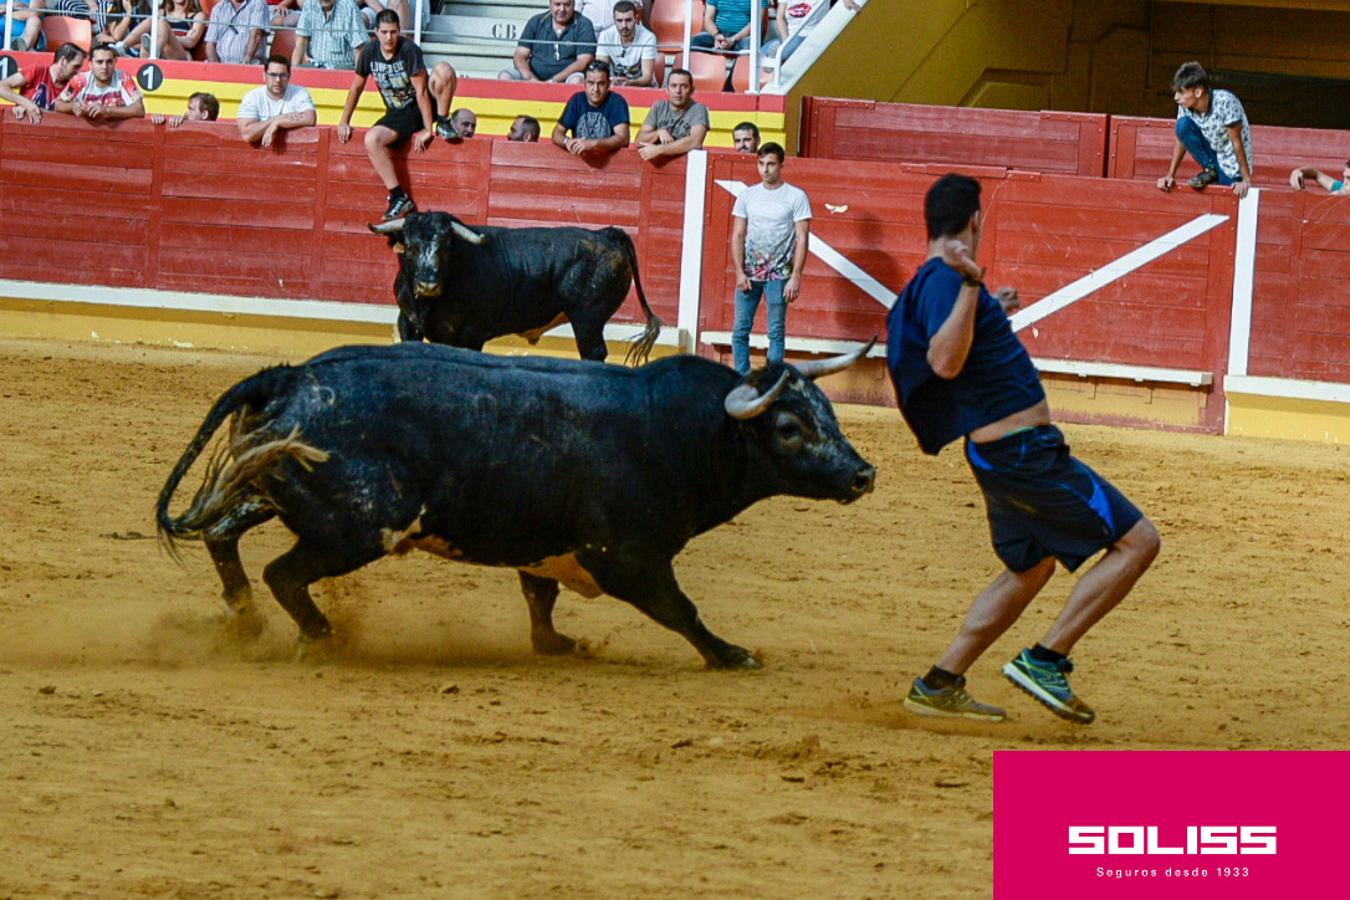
{"x": 427, "y": 289}
{"x": 863, "y": 482}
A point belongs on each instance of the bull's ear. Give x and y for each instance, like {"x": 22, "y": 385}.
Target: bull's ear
{"x": 398, "y": 247}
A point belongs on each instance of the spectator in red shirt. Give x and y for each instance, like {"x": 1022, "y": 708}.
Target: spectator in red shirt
{"x": 34, "y": 89}
{"x": 104, "y": 93}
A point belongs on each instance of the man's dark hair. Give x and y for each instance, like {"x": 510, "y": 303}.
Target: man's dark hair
{"x": 106, "y": 45}
{"x": 771, "y": 149}
{"x": 531, "y": 124}
{"x": 1189, "y": 75}
{"x": 625, "y": 6}
{"x": 673, "y": 72}
{"x": 597, "y": 65}
{"x": 750, "y": 127}
{"x": 949, "y": 204}
{"x": 386, "y": 15}
{"x": 68, "y": 52}
{"x": 209, "y": 104}
{"x": 279, "y": 60}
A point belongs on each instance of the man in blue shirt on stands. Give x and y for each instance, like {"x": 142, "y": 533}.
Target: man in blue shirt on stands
{"x": 959, "y": 371}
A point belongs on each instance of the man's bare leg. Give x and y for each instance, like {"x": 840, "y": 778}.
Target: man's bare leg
{"x": 1104, "y": 585}
{"x": 378, "y": 140}
{"x": 994, "y": 611}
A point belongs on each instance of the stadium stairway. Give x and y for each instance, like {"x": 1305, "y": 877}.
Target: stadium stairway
{"x": 478, "y": 37}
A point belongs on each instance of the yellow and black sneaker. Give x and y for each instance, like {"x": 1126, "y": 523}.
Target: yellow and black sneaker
{"x": 950, "y": 703}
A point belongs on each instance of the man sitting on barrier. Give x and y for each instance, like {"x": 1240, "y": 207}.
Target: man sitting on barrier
{"x": 524, "y": 130}
{"x": 596, "y": 117}
{"x": 34, "y": 89}
{"x": 277, "y": 106}
{"x": 1298, "y": 179}
{"x": 556, "y": 46}
{"x": 201, "y": 107}
{"x": 328, "y": 34}
{"x": 396, "y": 64}
{"x": 1212, "y": 127}
{"x": 677, "y": 125}
{"x": 104, "y": 93}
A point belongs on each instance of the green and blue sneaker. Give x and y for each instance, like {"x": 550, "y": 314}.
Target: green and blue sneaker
{"x": 1047, "y": 682}
{"x": 950, "y": 703}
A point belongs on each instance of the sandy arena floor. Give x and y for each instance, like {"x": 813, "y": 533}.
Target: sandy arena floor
{"x": 146, "y": 755}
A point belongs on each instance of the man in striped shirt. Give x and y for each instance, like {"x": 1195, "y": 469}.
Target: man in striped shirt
{"x": 328, "y": 35}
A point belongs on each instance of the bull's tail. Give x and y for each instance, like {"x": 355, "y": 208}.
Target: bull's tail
{"x": 641, "y": 349}
{"x": 228, "y": 472}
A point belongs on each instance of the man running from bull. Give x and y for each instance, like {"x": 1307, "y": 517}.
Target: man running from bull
{"x": 959, "y": 371}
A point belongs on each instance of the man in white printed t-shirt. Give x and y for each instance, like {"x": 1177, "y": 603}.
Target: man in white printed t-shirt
{"x": 770, "y": 228}
{"x": 277, "y": 106}
{"x": 1212, "y": 127}
{"x": 629, "y": 48}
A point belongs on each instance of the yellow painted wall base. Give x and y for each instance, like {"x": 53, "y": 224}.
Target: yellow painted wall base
{"x": 285, "y": 338}
{"x": 1305, "y": 420}
{"x": 1169, "y": 405}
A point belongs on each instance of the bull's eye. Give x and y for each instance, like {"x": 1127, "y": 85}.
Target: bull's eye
{"x": 789, "y": 430}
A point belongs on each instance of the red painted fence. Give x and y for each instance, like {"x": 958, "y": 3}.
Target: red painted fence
{"x": 1066, "y": 143}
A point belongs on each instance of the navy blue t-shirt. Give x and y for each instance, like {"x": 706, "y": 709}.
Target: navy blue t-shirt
{"x": 997, "y": 380}
{"x": 587, "y": 122}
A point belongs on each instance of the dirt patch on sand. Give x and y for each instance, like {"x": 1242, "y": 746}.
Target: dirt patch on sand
{"x": 146, "y": 753}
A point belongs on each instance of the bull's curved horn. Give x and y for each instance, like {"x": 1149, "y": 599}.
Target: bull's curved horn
{"x": 819, "y": 367}
{"x": 466, "y": 234}
{"x": 388, "y": 227}
{"x": 744, "y": 402}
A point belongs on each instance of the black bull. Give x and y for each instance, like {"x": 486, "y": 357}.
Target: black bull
{"x": 463, "y": 287}
{"x": 589, "y": 475}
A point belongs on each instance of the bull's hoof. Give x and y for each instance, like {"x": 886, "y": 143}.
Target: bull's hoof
{"x": 736, "y": 658}
{"x": 242, "y": 623}
{"x": 314, "y": 650}
{"x": 553, "y": 644}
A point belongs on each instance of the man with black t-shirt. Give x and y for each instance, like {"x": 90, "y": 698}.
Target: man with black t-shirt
{"x": 396, "y": 64}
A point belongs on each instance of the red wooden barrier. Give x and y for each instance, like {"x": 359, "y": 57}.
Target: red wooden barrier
{"x": 1300, "y": 305}
{"x": 1141, "y": 149}
{"x": 1063, "y": 142}
{"x": 193, "y": 209}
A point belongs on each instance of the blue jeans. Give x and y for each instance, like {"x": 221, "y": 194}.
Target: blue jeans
{"x": 746, "y": 304}
{"x": 1193, "y": 139}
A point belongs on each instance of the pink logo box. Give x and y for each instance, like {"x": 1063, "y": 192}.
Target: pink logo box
{"x": 1185, "y": 824}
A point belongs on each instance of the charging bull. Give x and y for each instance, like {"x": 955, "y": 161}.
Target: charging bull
{"x": 464, "y": 286}
{"x": 573, "y": 473}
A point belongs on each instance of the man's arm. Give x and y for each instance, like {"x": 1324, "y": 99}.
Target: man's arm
{"x": 616, "y": 141}
{"x": 560, "y": 136}
{"x": 710, "y": 25}
{"x": 949, "y": 348}
{"x": 1240, "y": 151}
{"x": 1168, "y": 181}
{"x": 647, "y": 133}
{"x": 1296, "y": 177}
{"x": 131, "y": 111}
{"x": 802, "y": 235}
{"x": 423, "y": 137}
{"x": 255, "y": 36}
{"x": 648, "y": 76}
{"x": 344, "y": 129}
{"x": 522, "y": 62}
{"x": 300, "y": 52}
{"x": 738, "y": 252}
{"x": 780, "y": 22}
{"x": 9, "y": 90}
{"x": 654, "y": 148}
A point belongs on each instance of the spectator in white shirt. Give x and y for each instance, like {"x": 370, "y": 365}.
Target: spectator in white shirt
{"x": 629, "y": 48}
{"x": 277, "y": 106}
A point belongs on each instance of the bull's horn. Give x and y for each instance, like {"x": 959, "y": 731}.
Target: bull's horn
{"x": 744, "y": 402}
{"x": 388, "y": 227}
{"x": 467, "y": 234}
{"x": 819, "y": 367}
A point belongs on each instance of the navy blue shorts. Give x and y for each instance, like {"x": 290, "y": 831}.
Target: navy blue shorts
{"x": 1042, "y": 502}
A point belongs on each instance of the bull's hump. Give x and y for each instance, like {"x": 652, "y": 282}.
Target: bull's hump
{"x": 567, "y": 571}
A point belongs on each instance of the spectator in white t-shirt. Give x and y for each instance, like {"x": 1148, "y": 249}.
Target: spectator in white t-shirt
{"x": 770, "y": 228}
{"x": 277, "y": 106}
{"x": 629, "y": 48}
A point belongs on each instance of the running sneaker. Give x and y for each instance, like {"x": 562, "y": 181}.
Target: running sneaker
{"x": 1206, "y": 176}
{"x": 445, "y": 131}
{"x": 19, "y": 45}
{"x": 1048, "y": 683}
{"x": 950, "y": 703}
{"x": 399, "y": 207}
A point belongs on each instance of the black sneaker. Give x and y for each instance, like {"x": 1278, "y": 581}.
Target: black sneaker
{"x": 1206, "y": 177}
{"x": 18, "y": 45}
{"x": 400, "y": 206}
{"x": 445, "y": 131}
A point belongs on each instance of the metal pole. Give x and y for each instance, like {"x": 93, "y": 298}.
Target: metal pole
{"x": 417, "y": 22}
{"x": 154, "y": 29}
{"x": 688, "y": 29}
{"x": 9, "y": 19}
{"x": 754, "y": 48}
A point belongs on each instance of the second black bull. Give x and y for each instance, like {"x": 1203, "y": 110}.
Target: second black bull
{"x": 464, "y": 286}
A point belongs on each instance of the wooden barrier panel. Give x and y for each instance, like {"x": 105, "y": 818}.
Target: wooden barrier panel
{"x": 1063, "y": 142}
{"x": 1300, "y": 305}
{"x": 1141, "y": 149}
{"x": 194, "y": 209}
